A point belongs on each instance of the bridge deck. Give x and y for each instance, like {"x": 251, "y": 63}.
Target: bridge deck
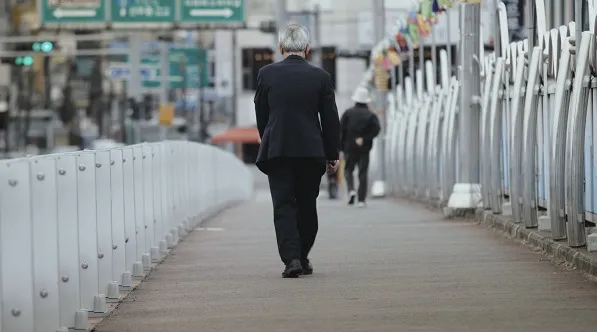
{"x": 390, "y": 267}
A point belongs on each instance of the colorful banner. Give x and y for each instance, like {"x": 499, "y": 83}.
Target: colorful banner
{"x": 418, "y": 25}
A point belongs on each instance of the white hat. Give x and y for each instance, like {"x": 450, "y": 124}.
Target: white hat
{"x": 361, "y": 95}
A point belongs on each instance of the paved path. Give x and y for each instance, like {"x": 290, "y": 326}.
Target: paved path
{"x": 392, "y": 267}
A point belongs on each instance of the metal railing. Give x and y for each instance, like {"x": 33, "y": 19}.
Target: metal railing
{"x": 537, "y": 130}
{"x": 77, "y": 228}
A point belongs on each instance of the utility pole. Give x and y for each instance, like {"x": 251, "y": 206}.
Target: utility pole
{"x": 380, "y": 96}
{"x": 234, "y": 80}
{"x": 281, "y": 20}
{"x": 134, "y": 84}
{"x": 317, "y": 52}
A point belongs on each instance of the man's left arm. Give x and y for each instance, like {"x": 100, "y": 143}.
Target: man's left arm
{"x": 261, "y": 105}
{"x": 330, "y": 122}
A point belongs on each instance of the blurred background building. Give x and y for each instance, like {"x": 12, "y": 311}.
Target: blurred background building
{"x": 63, "y": 100}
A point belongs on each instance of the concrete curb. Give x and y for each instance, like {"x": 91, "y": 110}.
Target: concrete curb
{"x": 578, "y": 258}
{"x": 560, "y": 252}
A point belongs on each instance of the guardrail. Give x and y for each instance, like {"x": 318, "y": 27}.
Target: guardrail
{"x": 77, "y": 228}
{"x": 537, "y": 131}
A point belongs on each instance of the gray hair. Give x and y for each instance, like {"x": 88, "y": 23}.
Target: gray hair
{"x": 293, "y": 38}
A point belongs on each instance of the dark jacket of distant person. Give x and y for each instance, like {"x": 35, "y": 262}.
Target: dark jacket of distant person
{"x": 358, "y": 121}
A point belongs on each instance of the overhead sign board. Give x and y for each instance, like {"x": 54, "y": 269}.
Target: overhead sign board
{"x": 73, "y": 12}
{"x": 212, "y": 11}
{"x": 187, "y": 66}
{"x": 125, "y": 14}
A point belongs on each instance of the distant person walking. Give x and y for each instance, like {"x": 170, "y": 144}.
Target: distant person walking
{"x": 359, "y": 126}
{"x": 296, "y": 147}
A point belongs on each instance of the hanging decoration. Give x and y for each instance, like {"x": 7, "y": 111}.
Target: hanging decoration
{"x": 409, "y": 33}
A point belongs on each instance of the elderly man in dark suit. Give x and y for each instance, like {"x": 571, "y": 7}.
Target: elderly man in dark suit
{"x": 298, "y": 123}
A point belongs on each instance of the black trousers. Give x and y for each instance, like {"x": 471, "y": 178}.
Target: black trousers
{"x": 294, "y": 186}
{"x": 360, "y": 160}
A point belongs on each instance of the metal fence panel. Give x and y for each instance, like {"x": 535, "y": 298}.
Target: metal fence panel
{"x": 119, "y": 265}
{"x": 68, "y": 234}
{"x": 149, "y": 220}
{"x": 87, "y": 216}
{"x": 16, "y": 246}
{"x": 156, "y": 161}
{"x": 139, "y": 202}
{"x": 44, "y": 216}
{"x": 104, "y": 219}
{"x": 130, "y": 213}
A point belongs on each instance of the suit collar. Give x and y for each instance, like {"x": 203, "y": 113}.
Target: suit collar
{"x": 295, "y": 58}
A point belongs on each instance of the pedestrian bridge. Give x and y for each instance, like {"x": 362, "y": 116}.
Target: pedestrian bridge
{"x": 176, "y": 236}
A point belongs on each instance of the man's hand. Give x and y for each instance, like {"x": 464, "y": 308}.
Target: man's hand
{"x": 332, "y": 166}
{"x": 359, "y": 141}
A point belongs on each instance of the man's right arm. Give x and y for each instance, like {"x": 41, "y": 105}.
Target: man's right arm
{"x": 330, "y": 122}
{"x": 261, "y": 104}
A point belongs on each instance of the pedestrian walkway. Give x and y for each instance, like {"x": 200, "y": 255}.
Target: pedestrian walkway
{"x": 394, "y": 266}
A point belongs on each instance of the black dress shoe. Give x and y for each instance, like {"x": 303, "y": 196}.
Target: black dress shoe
{"x": 293, "y": 269}
{"x": 307, "y": 267}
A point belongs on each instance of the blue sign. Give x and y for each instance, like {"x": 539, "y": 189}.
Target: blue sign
{"x": 124, "y": 73}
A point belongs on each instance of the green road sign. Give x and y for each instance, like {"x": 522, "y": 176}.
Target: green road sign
{"x": 153, "y": 81}
{"x": 188, "y": 68}
{"x": 139, "y": 13}
{"x": 187, "y": 65}
{"x": 212, "y": 11}
{"x": 142, "y": 12}
{"x": 73, "y": 12}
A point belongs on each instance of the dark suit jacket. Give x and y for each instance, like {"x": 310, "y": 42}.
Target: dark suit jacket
{"x": 291, "y": 97}
{"x": 358, "y": 121}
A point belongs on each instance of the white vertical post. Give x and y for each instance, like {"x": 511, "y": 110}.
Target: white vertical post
{"x": 15, "y": 237}
{"x": 68, "y": 246}
{"x": 158, "y": 231}
{"x": 89, "y": 279}
{"x": 468, "y": 194}
{"x": 149, "y": 220}
{"x": 45, "y": 243}
{"x": 104, "y": 219}
{"x": 130, "y": 223}
{"x": 118, "y": 216}
{"x": 142, "y": 248}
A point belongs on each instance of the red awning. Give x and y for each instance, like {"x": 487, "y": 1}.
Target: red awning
{"x": 244, "y": 135}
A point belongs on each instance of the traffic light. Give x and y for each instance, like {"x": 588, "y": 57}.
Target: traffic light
{"x": 44, "y": 46}
{"x": 24, "y": 61}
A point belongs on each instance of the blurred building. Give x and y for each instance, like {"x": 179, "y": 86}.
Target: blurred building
{"x": 347, "y": 35}
{"x": 254, "y": 49}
